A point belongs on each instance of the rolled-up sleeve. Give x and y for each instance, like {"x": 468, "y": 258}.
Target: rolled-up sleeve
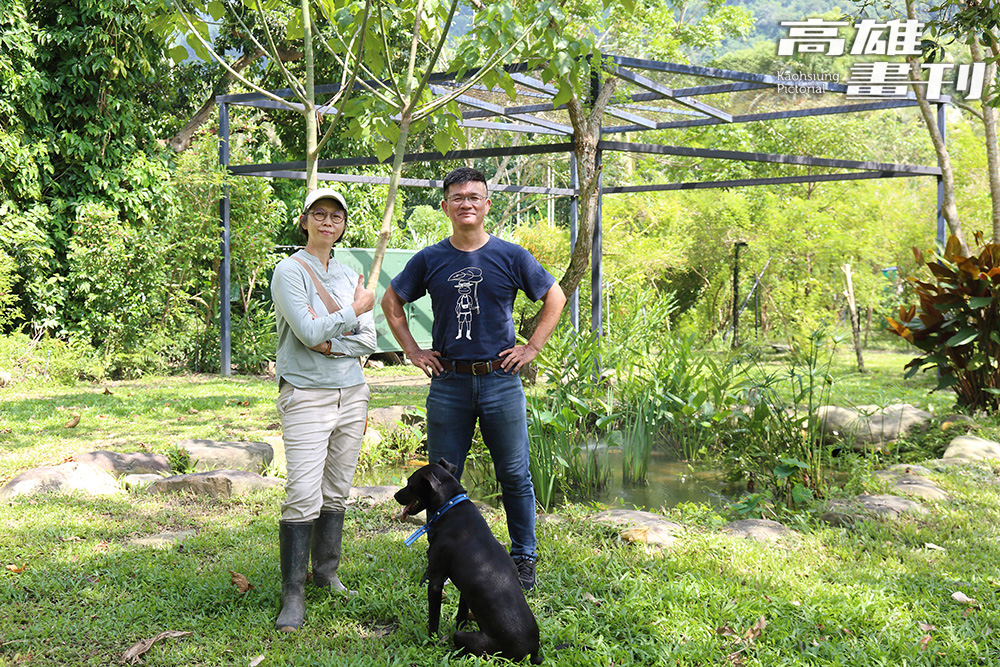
{"x": 357, "y": 344}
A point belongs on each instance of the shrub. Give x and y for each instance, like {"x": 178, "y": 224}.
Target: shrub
{"x": 957, "y": 323}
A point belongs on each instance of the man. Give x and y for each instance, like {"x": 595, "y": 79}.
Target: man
{"x": 472, "y": 278}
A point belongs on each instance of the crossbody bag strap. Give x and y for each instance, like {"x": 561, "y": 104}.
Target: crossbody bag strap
{"x": 324, "y": 296}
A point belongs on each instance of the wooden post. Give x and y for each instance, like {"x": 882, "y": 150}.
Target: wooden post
{"x": 853, "y": 310}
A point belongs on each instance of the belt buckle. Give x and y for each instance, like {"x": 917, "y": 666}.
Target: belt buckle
{"x": 485, "y": 365}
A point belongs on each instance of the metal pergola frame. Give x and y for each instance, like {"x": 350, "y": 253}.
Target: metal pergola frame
{"x": 647, "y": 104}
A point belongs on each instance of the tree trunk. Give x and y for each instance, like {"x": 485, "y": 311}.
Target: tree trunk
{"x": 990, "y": 133}
{"x": 852, "y": 308}
{"x": 949, "y": 208}
{"x": 182, "y": 140}
{"x": 586, "y": 135}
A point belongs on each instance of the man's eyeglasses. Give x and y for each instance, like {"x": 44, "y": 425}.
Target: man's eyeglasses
{"x": 320, "y": 215}
{"x": 472, "y": 199}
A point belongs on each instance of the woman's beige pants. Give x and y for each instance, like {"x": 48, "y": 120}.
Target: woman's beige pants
{"x": 322, "y": 430}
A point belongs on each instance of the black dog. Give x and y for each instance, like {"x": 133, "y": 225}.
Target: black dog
{"x": 463, "y": 548}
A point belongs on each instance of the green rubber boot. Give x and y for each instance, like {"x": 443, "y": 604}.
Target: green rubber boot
{"x": 328, "y": 530}
{"x": 293, "y": 543}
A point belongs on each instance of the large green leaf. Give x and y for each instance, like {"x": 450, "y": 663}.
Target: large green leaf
{"x": 980, "y": 301}
{"x": 963, "y": 337}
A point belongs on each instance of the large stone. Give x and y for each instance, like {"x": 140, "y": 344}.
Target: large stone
{"x": 374, "y": 495}
{"x": 910, "y": 484}
{"x": 213, "y": 455}
{"x": 972, "y": 448}
{"x": 388, "y": 419}
{"x": 118, "y": 464}
{"x": 63, "y": 478}
{"x": 760, "y": 530}
{"x": 869, "y": 426}
{"x": 639, "y": 526}
{"x": 219, "y": 484}
{"x": 846, "y": 512}
{"x": 139, "y": 482}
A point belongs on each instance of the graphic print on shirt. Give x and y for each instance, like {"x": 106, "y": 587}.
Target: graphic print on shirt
{"x": 467, "y": 283}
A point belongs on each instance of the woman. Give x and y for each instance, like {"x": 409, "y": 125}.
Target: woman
{"x": 322, "y": 397}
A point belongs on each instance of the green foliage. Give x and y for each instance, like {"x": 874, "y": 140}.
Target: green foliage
{"x": 567, "y": 454}
{"x": 957, "y": 323}
{"x": 46, "y": 359}
{"x": 776, "y": 446}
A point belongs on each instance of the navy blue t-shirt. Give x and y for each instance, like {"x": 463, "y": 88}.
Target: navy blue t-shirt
{"x": 472, "y": 294}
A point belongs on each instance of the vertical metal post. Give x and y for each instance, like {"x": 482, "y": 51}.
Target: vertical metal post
{"x": 941, "y": 226}
{"x": 574, "y": 228}
{"x": 736, "y": 293}
{"x": 225, "y": 324}
{"x": 596, "y": 266}
{"x": 596, "y": 252}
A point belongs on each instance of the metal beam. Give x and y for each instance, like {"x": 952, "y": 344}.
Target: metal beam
{"x": 498, "y": 110}
{"x": 434, "y": 156}
{"x": 628, "y": 115}
{"x": 773, "y": 115}
{"x": 649, "y": 84}
{"x": 409, "y": 182}
{"x": 507, "y": 127}
{"x": 773, "y": 158}
{"x": 743, "y": 182}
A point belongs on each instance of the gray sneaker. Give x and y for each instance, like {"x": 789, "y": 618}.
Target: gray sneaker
{"x": 525, "y": 571}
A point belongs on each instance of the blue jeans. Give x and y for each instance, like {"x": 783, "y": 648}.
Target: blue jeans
{"x": 454, "y": 403}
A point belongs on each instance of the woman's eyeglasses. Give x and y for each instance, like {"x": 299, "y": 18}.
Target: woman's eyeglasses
{"x": 320, "y": 215}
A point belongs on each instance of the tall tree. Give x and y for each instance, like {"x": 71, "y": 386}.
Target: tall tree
{"x": 377, "y": 99}
{"x": 567, "y": 50}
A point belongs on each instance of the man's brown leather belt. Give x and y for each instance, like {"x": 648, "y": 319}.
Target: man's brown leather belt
{"x": 471, "y": 367}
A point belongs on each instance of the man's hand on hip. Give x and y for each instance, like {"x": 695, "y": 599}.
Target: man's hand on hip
{"x": 427, "y": 361}
{"x": 513, "y": 359}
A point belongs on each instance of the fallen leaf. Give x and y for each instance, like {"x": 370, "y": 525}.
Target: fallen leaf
{"x": 17, "y": 569}
{"x": 107, "y": 392}
{"x": 931, "y": 545}
{"x": 735, "y": 658}
{"x": 273, "y": 427}
{"x": 241, "y": 583}
{"x": 590, "y": 598}
{"x": 726, "y": 631}
{"x": 72, "y": 422}
{"x": 132, "y": 654}
{"x": 959, "y": 596}
{"x": 256, "y": 661}
{"x": 192, "y": 411}
{"x": 927, "y": 627}
{"x": 101, "y": 546}
{"x": 924, "y": 641}
{"x": 755, "y": 631}
{"x": 244, "y": 403}
{"x": 795, "y": 603}
{"x": 968, "y": 612}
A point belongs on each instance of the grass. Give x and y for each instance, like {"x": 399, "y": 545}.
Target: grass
{"x": 76, "y": 590}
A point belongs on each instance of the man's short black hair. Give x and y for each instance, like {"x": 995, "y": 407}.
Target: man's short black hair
{"x": 462, "y": 175}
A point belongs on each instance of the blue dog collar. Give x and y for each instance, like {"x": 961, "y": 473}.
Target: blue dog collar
{"x": 437, "y": 515}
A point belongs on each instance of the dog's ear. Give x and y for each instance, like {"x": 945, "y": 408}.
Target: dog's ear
{"x": 450, "y": 467}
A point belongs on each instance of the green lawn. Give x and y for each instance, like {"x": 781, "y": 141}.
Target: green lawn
{"x": 76, "y": 590}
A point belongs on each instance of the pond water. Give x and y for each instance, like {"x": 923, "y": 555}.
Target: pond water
{"x": 670, "y": 483}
